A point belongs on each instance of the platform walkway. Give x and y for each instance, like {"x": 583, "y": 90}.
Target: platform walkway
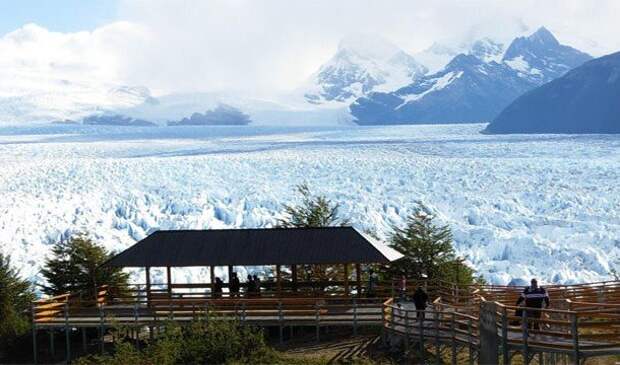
{"x": 584, "y": 321}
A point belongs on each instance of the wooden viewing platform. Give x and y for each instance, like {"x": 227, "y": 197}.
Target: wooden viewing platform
{"x": 584, "y": 321}
{"x": 479, "y": 320}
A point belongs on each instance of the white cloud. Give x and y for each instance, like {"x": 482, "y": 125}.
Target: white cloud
{"x": 257, "y": 46}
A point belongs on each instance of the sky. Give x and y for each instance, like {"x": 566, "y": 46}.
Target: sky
{"x": 262, "y": 46}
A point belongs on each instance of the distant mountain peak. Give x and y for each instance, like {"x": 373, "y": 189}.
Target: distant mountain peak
{"x": 370, "y": 46}
{"x": 487, "y": 50}
{"x": 543, "y": 36}
{"x": 362, "y": 63}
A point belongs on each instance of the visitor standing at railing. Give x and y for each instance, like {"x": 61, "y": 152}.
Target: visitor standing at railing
{"x": 402, "y": 288}
{"x": 420, "y": 299}
{"x": 251, "y": 286}
{"x": 373, "y": 278}
{"x": 534, "y": 297}
{"x": 256, "y": 285}
{"x": 217, "y": 288}
{"x": 234, "y": 285}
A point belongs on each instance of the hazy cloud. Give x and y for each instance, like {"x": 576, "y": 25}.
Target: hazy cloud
{"x": 260, "y": 46}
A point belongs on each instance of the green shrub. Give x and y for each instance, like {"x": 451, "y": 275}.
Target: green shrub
{"x": 201, "y": 342}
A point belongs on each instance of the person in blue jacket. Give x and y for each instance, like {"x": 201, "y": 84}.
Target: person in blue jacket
{"x": 535, "y": 297}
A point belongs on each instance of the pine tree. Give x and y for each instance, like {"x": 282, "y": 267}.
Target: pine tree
{"x": 16, "y": 296}
{"x": 428, "y": 250}
{"x": 314, "y": 211}
{"x": 75, "y": 267}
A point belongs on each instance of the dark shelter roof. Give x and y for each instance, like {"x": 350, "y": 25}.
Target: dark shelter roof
{"x": 266, "y": 246}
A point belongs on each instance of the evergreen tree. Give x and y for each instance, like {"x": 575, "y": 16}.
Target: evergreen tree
{"x": 16, "y": 296}
{"x": 314, "y": 211}
{"x": 427, "y": 250}
{"x": 74, "y": 266}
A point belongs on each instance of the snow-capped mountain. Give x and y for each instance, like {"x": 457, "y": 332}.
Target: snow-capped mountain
{"x": 473, "y": 87}
{"x": 363, "y": 63}
{"x": 34, "y": 97}
{"x": 487, "y": 50}
{"x": 541, "y": 57}
{"x": 438, "y": 55}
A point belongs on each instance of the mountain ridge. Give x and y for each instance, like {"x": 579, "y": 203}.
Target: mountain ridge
{"x": 585, "y": 100}
{"x": 481, "y": 91}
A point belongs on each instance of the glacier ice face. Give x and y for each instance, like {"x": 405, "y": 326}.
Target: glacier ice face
{"x": 519, "y": 205}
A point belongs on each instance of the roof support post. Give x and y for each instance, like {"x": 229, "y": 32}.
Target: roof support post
{"x": 169, "y": 277}
{"x": 147, "y": 271}
{"x": 212, "y": 277}
{"x": 346, "y": 279}
{"x": 294, "y": 276}
{"x": 230, "y": 275}
{"x": 279, "y": 279}
{"x": 358, "y": 279}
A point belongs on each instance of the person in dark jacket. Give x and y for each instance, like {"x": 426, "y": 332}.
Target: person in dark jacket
{"x": 534, "y": 297}
{"x": 234, "y": 285}
{"x": 251, "y": 286}
{"x": 256, "y": 285}
{"x": 420, "y": 298}
{"x": 217, "y": 288}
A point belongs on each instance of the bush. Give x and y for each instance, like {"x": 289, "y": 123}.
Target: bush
{"x": 201, "y": 342}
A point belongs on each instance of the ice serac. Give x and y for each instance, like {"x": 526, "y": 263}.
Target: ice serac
{"x": 585, "y": 100}
{"x": 363, "y": 63}
{"x": 473, "y": 87}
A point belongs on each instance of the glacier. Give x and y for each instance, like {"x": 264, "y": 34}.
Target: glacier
{"x": 519, "y": 206}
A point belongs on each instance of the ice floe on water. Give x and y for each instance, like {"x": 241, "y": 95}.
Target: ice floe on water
{"x": 519, "y": 206}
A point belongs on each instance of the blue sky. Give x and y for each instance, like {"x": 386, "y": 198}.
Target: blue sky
{"x": 57, "y": 15}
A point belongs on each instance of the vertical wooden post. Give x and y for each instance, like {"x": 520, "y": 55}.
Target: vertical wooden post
{"x": 437, "y": 345}
{"x": 470, "y": 340}
{"x": 505, "y": 352}
{"x": 279, "y": 280}
{"x": 524, "y": 326}
{"x": 407, "y": 339}
{"x": 354, "y": 316}
{"x": 101, "y": 329}
{"x": 346, "y": 280}
{"x": 212, "y": 278}
{"x": 52, "y": 345}
{"x": 67, "y": 335}
{"x": 294, "y": 276}
{"x": 317, "y": 318}
{"x": 148, "y": 284}
{"x": 358, "y": 279}
{"x": 230, "y": 274}
{"x": 84, "y": 341}
{"x": 34, "y": 335}
{"x": 169, "y": 277}
{"x": 575, "y": 333}
{"x": 280, "y": 321}
{"x": 453, "y": 335}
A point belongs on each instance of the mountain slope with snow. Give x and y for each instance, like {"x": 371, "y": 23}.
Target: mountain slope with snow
{"x": 585, "y": 100}
{"x": 362, "y": 63}
{"x": 481, "y": 90}
{"x": 42, "y": 97}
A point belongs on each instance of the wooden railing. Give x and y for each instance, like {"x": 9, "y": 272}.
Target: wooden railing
{"x": 585, "y": 321}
